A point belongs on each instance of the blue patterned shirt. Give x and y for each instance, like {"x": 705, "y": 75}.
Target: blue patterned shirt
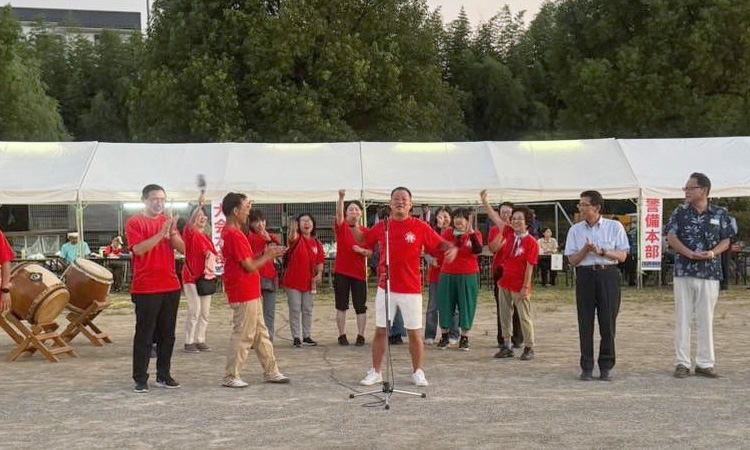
{"x": 700, "y": 233}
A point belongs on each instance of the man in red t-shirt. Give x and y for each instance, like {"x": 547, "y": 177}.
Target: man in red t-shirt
{"x": 496, "y": 239}
{"x": 6, "y": 257}
{"x": 152, "y": 238}
{"x": 242, "y": 285}
{"x": 407, "y": 237}
{"x": 520, "y": 259}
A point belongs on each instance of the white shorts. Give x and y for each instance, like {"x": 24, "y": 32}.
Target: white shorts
{"x": 409, "y": 304}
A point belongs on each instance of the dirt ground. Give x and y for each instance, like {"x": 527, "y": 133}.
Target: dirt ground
{"x": 473, "y": 400}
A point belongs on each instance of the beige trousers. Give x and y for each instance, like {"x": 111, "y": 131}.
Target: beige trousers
{"x": 509, "y": 299}
{"x": 249, "y": 331}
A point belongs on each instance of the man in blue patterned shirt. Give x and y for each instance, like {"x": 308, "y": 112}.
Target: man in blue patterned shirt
{"x": 698, "y": 232}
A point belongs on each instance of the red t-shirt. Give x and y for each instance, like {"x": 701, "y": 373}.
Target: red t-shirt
{"x": 508, "y": 235}
{"x": 6, "y": 251}
{"x": 153, "y": 272}
{"x": 240, "y": 285}
{"x": 258, "y": 244}
{"x": 466, "y": 262}
{"x": 515, "y": 260}
{"x": 109, "y": 251}
{"x": 197, "y": 244}
{"x": 306, "y": 254}
{"x": 433, "y": 273}
{"x": 348, "y": 262}
{"x": 406, "y": 238}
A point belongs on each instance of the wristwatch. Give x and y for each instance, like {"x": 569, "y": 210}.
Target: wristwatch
{"x": 5, "y": 290}
{"x": 602, "y": 252}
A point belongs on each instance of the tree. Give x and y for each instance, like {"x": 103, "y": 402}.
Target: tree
{"x": 27, "y": 113}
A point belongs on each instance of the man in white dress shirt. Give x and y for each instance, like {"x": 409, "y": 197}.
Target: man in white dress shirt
{"x": 594, "y": 247}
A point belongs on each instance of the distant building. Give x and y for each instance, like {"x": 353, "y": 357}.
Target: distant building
{"x": 88, "y": 18}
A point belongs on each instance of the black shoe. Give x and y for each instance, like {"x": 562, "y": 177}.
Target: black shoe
{"x": 586, "y": 376}
{"x": 297, "y": 343}
{"x": 396, "y": 340}
{"x": 505, "y": 353}
{"x": 528, "y": 354}
{"x": 308, "y": 342}
{"x": 168, "y": 383}
{"x": 444, "y": 342}
{"x": 463, "y": 343}
{"x": 707, "y": 372}
{"x": 343, "y": 340}
{"x": 605, "y": 375}
{"x": 141, "y": 388}
{"x": 360, "y": 341}
{"x": 681, "y": 371}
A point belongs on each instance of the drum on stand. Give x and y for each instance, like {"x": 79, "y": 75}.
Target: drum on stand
{"x": 37, "y": 295}
{"x": 87, "y": 282}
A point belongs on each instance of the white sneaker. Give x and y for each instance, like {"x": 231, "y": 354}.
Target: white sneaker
{"x": 279, "y": 378}
{"x": 419, "y": 379}
{"x": 453, "y": 341}
{"x": 429, "y": 341}
{"x": 371, "y": 378}
{"x": 234, "y": 383}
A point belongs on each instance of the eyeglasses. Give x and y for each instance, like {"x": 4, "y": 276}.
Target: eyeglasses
{"x": 690, "y": 188}
{"x": 584, "y": 205}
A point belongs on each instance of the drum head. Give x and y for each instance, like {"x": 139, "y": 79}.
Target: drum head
{"x": 94, "y": 270}
{"x": 52, "y": 306}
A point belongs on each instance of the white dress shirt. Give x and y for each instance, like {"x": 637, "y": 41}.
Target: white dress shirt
{"x": 606, "y": 234}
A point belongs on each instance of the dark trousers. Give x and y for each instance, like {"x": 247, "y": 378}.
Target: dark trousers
{"x": 517, "y": 338}
{"x": 597, "y": 292}
{"x": 155, "y": 319}
{"x": 549, "y": 276}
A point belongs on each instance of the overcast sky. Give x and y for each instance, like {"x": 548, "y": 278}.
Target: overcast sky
{"x": 482, "y": 10}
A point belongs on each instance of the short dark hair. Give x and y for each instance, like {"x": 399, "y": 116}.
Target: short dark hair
{"x": 312, "y": 218}
{"x": 354, "y": 202}
{"x": 528, "y": 214}
{"x": 149, "y": 188}
{"x": 232, "y": 200}
{"x": 595, "y": 197}
{"x": 508, "y": 204}
{"x": 461, "y": 212}
{"x": 256, "y": 215}
{"x": 401, "y": 188}
{"x": 702, "y": 181}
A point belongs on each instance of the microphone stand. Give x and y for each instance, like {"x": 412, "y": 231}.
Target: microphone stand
{"x": 388, "y": 385}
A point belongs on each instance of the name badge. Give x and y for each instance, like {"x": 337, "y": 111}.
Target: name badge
{"x": 714, "y": 221}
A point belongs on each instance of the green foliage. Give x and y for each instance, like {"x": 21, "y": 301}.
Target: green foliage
{"x": 27, "y": 112}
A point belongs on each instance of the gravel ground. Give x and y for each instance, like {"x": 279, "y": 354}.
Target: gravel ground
{"x": 472, "y": 401}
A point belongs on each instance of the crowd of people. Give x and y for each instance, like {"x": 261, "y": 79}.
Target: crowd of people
{"x": 698, "y": 231}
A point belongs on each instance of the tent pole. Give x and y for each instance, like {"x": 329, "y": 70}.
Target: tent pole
{"x": 639, "y": 233}
{"x": 79, "y": 225}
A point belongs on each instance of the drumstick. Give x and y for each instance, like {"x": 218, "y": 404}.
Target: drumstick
{"x": 202, "y": 183}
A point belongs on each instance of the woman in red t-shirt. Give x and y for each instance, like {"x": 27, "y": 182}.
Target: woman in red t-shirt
{"x": 520, "y": 259}
{"x": 200, "y": 262}
{"x": 435, "y": 261}
{"x": 113, "y": 251}
{"x": 259, "y": 239}
{"x": 349, "y": 272}
{"x": 304, "y": 271}
{"x": 459, "y": 279}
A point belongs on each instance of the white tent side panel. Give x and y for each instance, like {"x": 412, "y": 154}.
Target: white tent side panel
{"x": 119, "y": 172}
{"x": 554, "y": 170}
{"x": 664, "y": 165}
{"x": 42, "y": 172}
{"x": 435, "y": 172}
{"x": 294, "y": 173}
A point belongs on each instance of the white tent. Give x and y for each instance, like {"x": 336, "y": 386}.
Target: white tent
{"x": 42, "y": 172}
{"x": 268, "y": 173}
{"x": 662, "y": 166}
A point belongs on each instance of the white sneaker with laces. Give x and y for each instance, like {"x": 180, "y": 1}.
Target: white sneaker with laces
{"x": 429, "y": 341}
{"x": 419, "y": 379}
{"x": 453, "y": 341}
{"x": 371, "y": 378}
{"x": 234, "y": 383}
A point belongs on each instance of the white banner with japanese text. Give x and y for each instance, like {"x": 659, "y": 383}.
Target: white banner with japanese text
{"x": 651, "y": 233}
{"x": 218, "y": 220}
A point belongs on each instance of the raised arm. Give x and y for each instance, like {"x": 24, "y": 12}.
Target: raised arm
{"x": 340, "y": 214}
